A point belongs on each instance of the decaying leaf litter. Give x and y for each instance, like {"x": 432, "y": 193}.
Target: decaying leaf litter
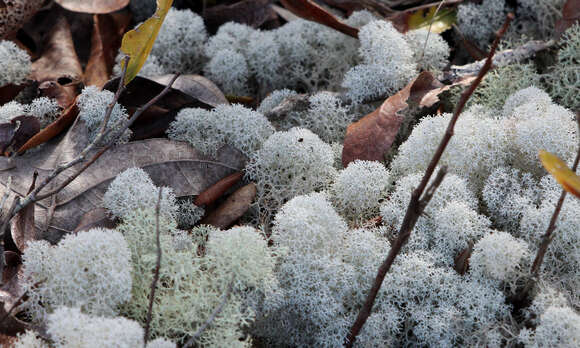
{"x": 56, "y": 172}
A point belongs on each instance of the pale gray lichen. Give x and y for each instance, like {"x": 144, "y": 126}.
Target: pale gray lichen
{"x": 132, "y": 190}
{"x": 14, "y": 64}
{"x": 290, "y": 164}
{"x": 90, "y": 270}
{"x": 92, "y": 103}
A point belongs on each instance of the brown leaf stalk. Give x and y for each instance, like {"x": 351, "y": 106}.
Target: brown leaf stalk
{"x": 421, "y": 196}
{"x": 157, "y": 268}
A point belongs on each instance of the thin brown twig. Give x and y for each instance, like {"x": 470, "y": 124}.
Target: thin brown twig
{"x": 157, "y": 268}
{"x": 13, "y": 307}
{"x": 110, "y": 143}
{"x": 212, "y": 316}
{"x": 420, "y": 197}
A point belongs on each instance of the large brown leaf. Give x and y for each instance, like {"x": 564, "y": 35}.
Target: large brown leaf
{"x": 234, "y": 207}
{"x": 169, "y": 163}
{"x": 108, "y": 30}
{"x": 570, "y": 16}
{"x": 93, "y": 6}
{"x": 372, "y": 136}
{"x": 307, "y": 9}
{"x": 58, "y": 71}
{"x": 251, "y": 12}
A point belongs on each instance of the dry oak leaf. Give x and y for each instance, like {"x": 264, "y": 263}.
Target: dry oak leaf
{"x": 93, "y": 6}
{"x": 250, "y": 12}
{"x": 233, "y": 208}
{"x": 307, "y": 9}
{"x": 372, "y": 136}
{"x": 58, "y": 70}
{"x": 108, "y": 29}
{"x": 169, "y": 163}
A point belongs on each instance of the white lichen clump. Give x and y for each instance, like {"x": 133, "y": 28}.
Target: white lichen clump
{"x": 133, "y": 189}
{"x": 479, "y": 22}
{"x": 14, "y": 64}
{"x": 430, "y": 51}
{"x": 92, "y": 103}
{"x": 387, "y": 63}
{"x": 90, "y": 270}
{"x": 499, "y": 256}
{"x": 564, "y": 79}
{"x": 43, "y": 108}
{"x": 69, "y": 327}
{"x": 207, "y": 131}
{"x": 192, "y": 286}
{"x": 179, "y": 44}
{"x": 359, "y": 189}
{"x": 559, "y": 327}
{"x": 290, "y": 164}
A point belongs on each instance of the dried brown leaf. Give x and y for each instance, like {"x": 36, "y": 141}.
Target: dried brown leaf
{"x": 462, "y": 260}
{"x": 9, "y": 92}
{"x": 233, "y": 208}
{"x": 308, "y": 9}
{"x": 570, "y": 16}
{"x": 93, "y": 6}
{"x": 215, "y": 191}
{"x": 66, "y": 118}
{"x": 250, "y": 12}
{"x": 58, "y": 70}
{"x": 108, "y": 30}
{"x": 372, "y": 136}
{"x": 197, "y": 87}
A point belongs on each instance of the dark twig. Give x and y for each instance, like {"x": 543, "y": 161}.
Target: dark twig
{"x": 420, "y": 197}
{"x": 212, "y": 317}
{"x": 157, "y": 268}
{"x": 109, "y": 144}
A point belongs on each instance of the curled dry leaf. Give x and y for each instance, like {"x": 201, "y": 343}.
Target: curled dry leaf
{"x": 218, "y": 189}
{"x": 93, "y": 6}
{"x": 233, "y": 208}
{"x": 569, "y": 180}
{"x": 9, "y": 92}
{"x": 372, "y": 136}
{"x": 15, "y": 13}
{"x": 349, "y": 6}
{"x": 17, "y": 132}
{"x": 169, "y": 163}
{"x": 307, "y": 9}
{"x": 570, "y": 16}
{"x": 251, "y": 12}
{"x": 66, "y": 118}
{"x": 58, "y": 70}
{"x": 137, "y": 43}
{"x": 462, "y": 260}
{"x": 108, "y": 29}
{"x": 189, "y": 91}
{"x": 197, "y": 87}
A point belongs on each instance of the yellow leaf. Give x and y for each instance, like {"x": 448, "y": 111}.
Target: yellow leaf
{"x": 444, "y": 19}
{"x": 560, "y": 171}
{"x": 137, "y": 43}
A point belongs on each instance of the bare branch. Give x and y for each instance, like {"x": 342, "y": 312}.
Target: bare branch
{"x": 212, "y": 317}
{"x": 157, "y": 268}
{"x": 420, "y": 197}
